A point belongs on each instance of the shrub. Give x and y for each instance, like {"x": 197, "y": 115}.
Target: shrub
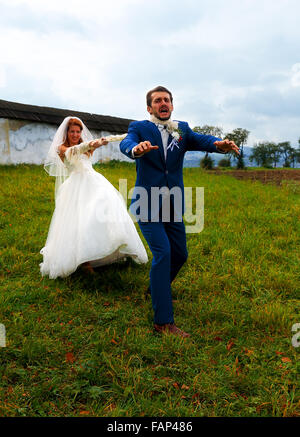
{"x": 207, "y": 163}
{"x": 225, "y": 162}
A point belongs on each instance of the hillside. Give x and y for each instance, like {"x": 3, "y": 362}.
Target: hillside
{"x": 192, "y": 159}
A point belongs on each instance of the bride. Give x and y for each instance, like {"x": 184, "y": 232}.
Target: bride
{"x": 90, "y": 225}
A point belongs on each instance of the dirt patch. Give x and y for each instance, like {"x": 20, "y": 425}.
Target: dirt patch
{"x": 264, "y": 176}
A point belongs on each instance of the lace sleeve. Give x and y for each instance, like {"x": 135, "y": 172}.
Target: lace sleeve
{"x": 111, "y": 138}
{"x": 73, "y": 153}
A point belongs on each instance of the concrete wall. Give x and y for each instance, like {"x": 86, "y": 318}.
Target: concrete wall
{"x": 28, "y": 142}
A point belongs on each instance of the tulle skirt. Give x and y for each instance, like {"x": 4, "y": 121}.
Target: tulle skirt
{"x": 90, "y": 223}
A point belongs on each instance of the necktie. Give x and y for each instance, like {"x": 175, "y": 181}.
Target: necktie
{"x": 164, "y": 136}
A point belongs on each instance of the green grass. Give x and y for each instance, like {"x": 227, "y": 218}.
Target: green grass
{"x": 84, "y": 346}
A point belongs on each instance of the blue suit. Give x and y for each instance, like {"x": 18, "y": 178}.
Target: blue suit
{"x": 167, "y": 240}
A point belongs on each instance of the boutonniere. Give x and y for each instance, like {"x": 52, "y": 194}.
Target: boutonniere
{"x": 177, "y": 137}
{"x": 177, "y": 134}
{"x": 174, "y": 143}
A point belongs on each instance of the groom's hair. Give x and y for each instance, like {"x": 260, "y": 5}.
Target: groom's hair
{"x": 157, "y": 89}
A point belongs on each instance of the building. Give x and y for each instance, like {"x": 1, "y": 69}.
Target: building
{"x": 26, "y": 132}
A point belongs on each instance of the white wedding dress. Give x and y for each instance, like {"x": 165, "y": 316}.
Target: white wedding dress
{"x": 90, "y": 223}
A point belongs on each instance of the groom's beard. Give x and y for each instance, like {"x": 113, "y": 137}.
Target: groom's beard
{"x": 163, "y": 119}
{"x": 157, "y": 115}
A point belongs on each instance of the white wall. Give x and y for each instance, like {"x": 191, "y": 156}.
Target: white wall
{"x": 29, "y": 142}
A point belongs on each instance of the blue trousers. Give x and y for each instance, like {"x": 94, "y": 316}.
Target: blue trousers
{"x": 167, "y": 242}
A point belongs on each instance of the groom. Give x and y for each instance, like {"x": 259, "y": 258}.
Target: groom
{"x": 158, "y": 146}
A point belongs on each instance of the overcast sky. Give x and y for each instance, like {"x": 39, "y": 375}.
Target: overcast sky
{"x": 230, "y": 63}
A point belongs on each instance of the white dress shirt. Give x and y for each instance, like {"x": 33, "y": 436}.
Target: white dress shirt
{"x": 164, "y": 136}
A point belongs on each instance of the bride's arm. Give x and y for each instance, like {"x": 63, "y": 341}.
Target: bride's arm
{"x": 79, "y": 149}
{"x": 61, "y": 152}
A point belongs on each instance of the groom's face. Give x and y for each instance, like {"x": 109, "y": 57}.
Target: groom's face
{"x": 161, "y": 105}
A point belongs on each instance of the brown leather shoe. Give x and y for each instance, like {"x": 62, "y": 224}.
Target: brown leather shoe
{"x": 170, "y": 328}
{"x": 87, "y": 268}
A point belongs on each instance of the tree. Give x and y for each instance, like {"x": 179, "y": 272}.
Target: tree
{"x": 275, "y": 153}
{"x": 295, "y": 156}
{"x": 298, "y": 151}
{"x": 286, "y": 151}
{"x": 240, "y": 137}
{"x": 215, "y": 131}
{"x": 261, "y": 154}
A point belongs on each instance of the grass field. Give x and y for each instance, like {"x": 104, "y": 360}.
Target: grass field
{"x": 84, "y": 345}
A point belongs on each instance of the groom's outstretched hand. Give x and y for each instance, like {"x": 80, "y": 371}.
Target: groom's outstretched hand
{"x": 143, "y": 147}
{"x": 227, "y": 146}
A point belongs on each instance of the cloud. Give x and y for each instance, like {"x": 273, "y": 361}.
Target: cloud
{"x": 295, "y": 76}
{"x": 88, "y": 10}
{"x": 233, "y": 63}
{"x": 2, "y": 77}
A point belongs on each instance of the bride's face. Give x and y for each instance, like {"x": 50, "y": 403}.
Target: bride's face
{"x": 74, "y": 134}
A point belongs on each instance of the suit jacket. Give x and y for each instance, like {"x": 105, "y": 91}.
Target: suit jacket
{"x": 153, "y": 170}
